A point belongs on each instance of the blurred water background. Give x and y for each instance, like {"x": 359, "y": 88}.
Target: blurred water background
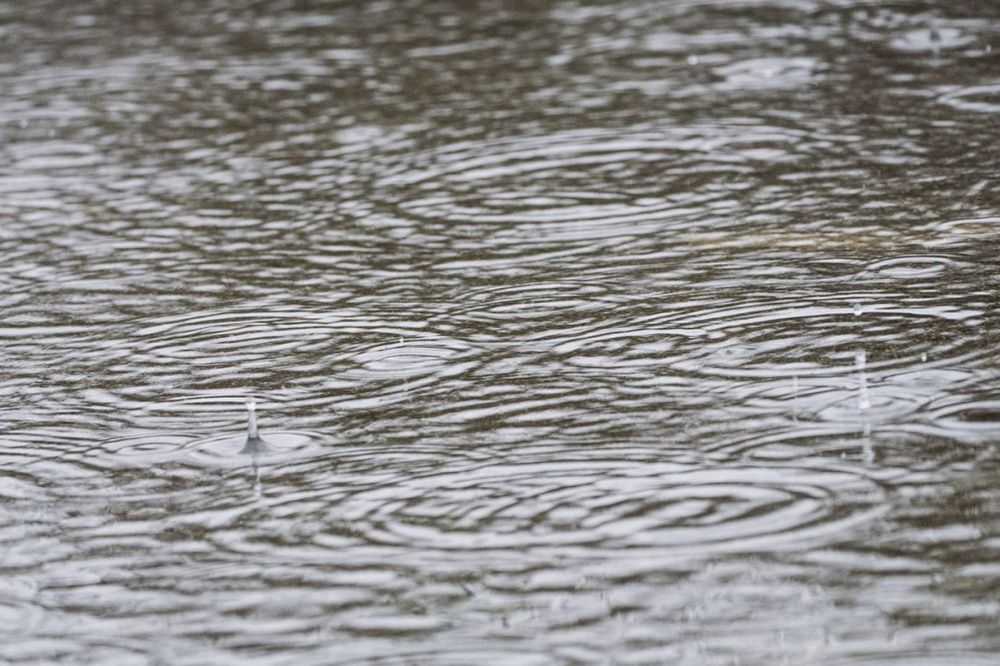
{"x": 639, "y": 332}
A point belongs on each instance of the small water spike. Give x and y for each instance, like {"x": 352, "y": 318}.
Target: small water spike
{"x": 935, "y": 37}
{"x": 254, "y": 442}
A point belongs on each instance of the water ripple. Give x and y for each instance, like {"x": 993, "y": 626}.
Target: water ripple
{"x": 769, "y": 73}
{"x": 788, "y": 337}
{"x": 981, "y": 98}
{"x": 554, "y": 189}
{"x": 613, "y": 505}
{"x": 637, "y": 332}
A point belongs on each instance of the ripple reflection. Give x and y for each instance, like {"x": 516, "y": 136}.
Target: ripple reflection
{"x": 613, "y": 505}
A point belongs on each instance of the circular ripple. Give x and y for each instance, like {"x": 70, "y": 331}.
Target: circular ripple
{"x": 581, "y": 185}
{"x": 975, "y": 228}
{"x": 982, "y": 99}
{"x": 612, "y": 505}
{"x": 199, "y": 414}
{"x": 281, "y": 444}
{"x": 204, "y": 338}
{"x": 929, "y": 40}
{"x": 264, "y": 348}
{"x": 794, "y": 338}
{"x": 768, "y": 73}
{"x": 407, "y": 358}
{"x": 909, "y": 267}
{"x": 145, "y": 446}
{"x": 966, "y": 418}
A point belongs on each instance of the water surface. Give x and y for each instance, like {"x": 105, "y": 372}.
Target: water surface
{"x": 581, "y": 333}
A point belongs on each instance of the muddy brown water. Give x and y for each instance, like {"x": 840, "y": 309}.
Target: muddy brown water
{"x": 581, "y": 332}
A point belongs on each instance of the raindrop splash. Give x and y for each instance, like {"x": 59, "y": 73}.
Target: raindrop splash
{"x": 255, "y": 444}
{"x": 935, "y": 39}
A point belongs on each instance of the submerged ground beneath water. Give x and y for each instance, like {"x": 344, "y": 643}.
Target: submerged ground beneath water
{"x": 632, "y": 332}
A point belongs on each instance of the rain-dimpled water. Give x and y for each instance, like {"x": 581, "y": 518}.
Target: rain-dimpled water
{"x": 504, "y": 332}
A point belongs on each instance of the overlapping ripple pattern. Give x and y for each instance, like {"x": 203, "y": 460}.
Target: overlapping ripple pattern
{"x": 614, "y": 332}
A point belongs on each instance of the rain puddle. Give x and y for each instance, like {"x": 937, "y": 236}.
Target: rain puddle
{"x": 576, "y": 333}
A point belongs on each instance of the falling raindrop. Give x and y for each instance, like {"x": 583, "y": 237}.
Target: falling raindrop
{"x": 863, "y": 400}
